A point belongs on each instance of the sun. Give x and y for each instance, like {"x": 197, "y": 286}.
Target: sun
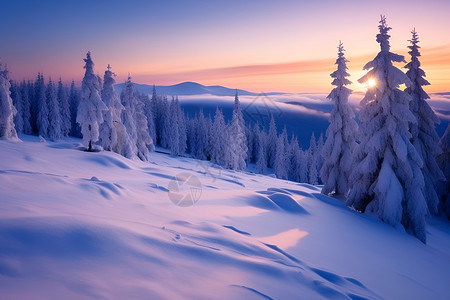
{"x": 371, "y": 82}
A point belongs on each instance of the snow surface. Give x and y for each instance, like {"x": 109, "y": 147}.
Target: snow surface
{"x": 97, "y": 225}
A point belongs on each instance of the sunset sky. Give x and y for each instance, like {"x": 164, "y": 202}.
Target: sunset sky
{"x": 260, "y": 46}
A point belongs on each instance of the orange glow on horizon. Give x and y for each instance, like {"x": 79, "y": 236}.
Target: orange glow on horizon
{"x": 308, "y": 76}
{"x": 302, "y": 76}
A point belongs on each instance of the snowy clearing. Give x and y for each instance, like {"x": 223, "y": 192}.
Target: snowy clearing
{"x": 97, "y": 225}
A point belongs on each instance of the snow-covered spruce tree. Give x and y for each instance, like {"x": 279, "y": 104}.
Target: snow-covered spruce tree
{"x": 127, "y": 99}
{"x": 26, "y": 109}
{"x": 182, "y": 141}
{"x": 7, "y": 109}
{"x": 303, "y": 168}
{"x": 424, "y": 136}
{"x": 16, "y": 96}
{"x": 64, "y": 107}
{"x": 122, "y": 144}
{"x": 135, "y": 122}
{"x": 386, "y": 178}
{"x": 144, "y": 141}
{"x": 156, "y": 111}
{"x": 236, "y": 152}
{"x": 281, "y": 164}
{"x": 271, "y": 142}
{"x": 32, "y": 90}
{"x": 150, "y": 115}
{"x": 201, "y": 137}
{"x": 42, "y": 119}
{"x": 341, "y": 133}
{"x": 174, "y": 132}
{"x": 74, "y": 101}
{"x": 260, "y": 145}
{"x": 294, "y": 159}
{"x": 54, "y": 113}
{"x": 320, "y": 144}
{"x": 313, "y": 174}
{"x": 91, "y": 107}
{"x": 108, "y": 132}
{"x": 217, "y": 145}
{"x": 250, "y": 138}
{"x": 443, "y": 160}
{"x": 164, "y": 117}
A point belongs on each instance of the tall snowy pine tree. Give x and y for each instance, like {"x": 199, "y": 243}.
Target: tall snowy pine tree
{"x": 281, "y": 164}
{"x": 386, "y": 178}
{"x": 236, "y": 152}
{"x": 313, "y": 154}
{"x": 7, "y": 109}
{"x": 341, "y": 133}
{"x": 424, "y": 136}
{"x": 135, "y": 122}
{"x": 91, "y": 107}
{"x": 271, "y": 142}
{"x": 42, "y": 119}
{"x": 108, "y": 131}
{"x": 64, "y": 106}
{"x": 54, "y": 113}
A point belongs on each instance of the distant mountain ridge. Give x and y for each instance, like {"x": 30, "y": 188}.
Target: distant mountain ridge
{"x": 188, "y": 88}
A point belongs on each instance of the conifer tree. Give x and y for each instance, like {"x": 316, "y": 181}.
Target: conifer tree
{"x": 217, "y": 145}
{"x": 108, "y": 132}
{"x": 313, "y": 175}
{"x": 135, "y": 122}
{"x": 182, "y": 141}
{"x": 164, "y": 110}
{"x": 386, "y": 178}
{"x": 74, "y": 101}
{"x": 17, "y": 99}
{"x": 64, "y": 106}
{"x": 295, "y": 159}
{"x": 26, "y": 109}
{"x": 42, "y": 118}
{"x": 424, "y": 136}
{"x": 281, "y": 164}
{"x": 271, "y": 142}
{"x": 261, "y": 162}
{"x": 174, "y": 132}
{"x": 341, "y": 133}
{"x": 237, "y": 148}
{"x": 117, "y": 136}
{"x": 54, "y": 113}
{"x": 91, "y": 107}
{"x": 150, "y": 115}
{"x": 7, "y": 109}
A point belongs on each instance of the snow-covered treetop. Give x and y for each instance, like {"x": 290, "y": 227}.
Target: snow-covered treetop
{"x": 237, "y": 106}
{"x": 341, "y": 73}
{"x": 415, "y": 73}
{"x": 381, "y": 65}
{"x": 108, "y": 79}
{"x": 383, "y": 36}
{"x": 3, "y": 71}
{"x": 89, "y": 64}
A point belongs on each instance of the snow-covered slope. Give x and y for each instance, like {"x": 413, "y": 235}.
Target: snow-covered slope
{"x": 96, "y": 225}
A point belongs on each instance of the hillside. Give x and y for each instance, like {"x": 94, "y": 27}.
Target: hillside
{"x": 79, "y": 225}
